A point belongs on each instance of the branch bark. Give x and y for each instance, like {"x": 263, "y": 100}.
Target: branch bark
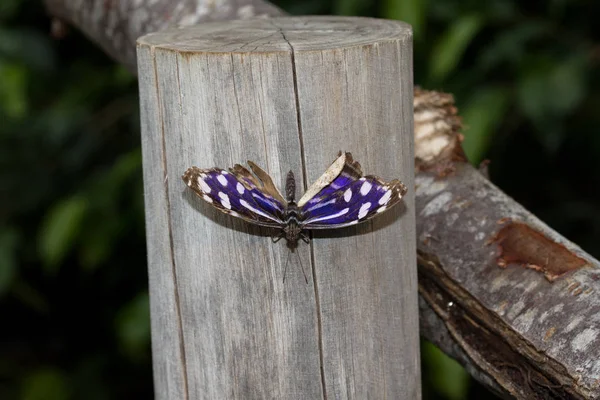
{"x": 116, "y": 25}
{"x": 511, "y": 299}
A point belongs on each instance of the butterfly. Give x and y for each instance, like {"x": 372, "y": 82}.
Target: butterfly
{"x": 341, "y": 197}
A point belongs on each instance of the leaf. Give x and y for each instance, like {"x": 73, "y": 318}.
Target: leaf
{"x": 104, "y": 187}
{"x": 8, "y": 8}
{"x": 548, "y": 91}
{"x": 45, "y": 384}
{"x": 447, "y": 53}
{"x": 510, "y": 46}
{"x": 106, "y": 191}
{"x": 97, "y": 244}
{"x": 448, "y": 377}
{"x": 9, "y": 239}
{"x": 133, "y": 326}
{"x": 122, "y": 76}
{"x": 60, "y": 230}
{"x": 31, "y": 48}
{"x": 13, "y": 88}
{"x": 126, "y": 166}
{"x": 551, "y": 86}
{"x": 569, "y": 82}
{"x": 482, "y": 115}
{"x": 348, "y": 7}
{"x": 410, "y": 11}
{"x": 30, "y": 296}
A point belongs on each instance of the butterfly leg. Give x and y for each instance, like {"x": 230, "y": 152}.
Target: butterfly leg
{"x": 305, "y": 238}
{"x": 286, "y": 264}
{"x": 277, "y": 238}
{"x": 302, "y": 268}
{"x": 287, "y": 261}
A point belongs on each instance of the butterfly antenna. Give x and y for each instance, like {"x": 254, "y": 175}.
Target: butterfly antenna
{"x": 302, "y": 267}
{"x": 286, "y": 264}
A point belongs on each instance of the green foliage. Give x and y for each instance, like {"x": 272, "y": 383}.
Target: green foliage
{"x": 449, "y": 50}
{"x": 447, "y": 377}
{"x": 73, "y": 278}
{"x": 8, "y": 8}
{"x": 133, "y": 327}
{"x": 13, "y": 90}
{"x": 538, "y": 84}
{"x": 45, "y": 384}
{"x": 8, "y": 258}
{"x": 348, "y": 7}
{"x": 60, "y": 230}
{"x": 481, "y": 115}
{"x": 413, "y": 12}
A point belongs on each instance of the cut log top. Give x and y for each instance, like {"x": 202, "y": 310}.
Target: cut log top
{"x": 279, "y": 34}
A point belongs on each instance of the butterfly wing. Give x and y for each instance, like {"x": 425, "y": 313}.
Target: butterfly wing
{"x": 343, "y": 171}
{"x": 358, "y": 202}
{"x": 237, "y": 193}
{"x": 348, "y": 198}
{"x": 268, "y": 187}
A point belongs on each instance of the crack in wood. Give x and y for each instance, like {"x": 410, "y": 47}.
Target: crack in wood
{"x": 304, "y": 179}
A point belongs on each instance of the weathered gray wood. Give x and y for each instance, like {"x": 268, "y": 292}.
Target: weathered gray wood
{"x": 287, "y": 93}
{"x": 167, "y": 351}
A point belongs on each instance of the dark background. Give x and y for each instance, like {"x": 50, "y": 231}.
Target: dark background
{"x": 73, "y": 281}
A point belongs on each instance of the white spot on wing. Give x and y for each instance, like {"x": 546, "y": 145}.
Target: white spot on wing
{"x": 205, "y": 188}
{"x": 386, "y": 197}
{"x": 319, "y": 205}
{"x": 206, "y": 198}
{"x": 365, "y": 188}
{"x": 348, "y": 195}
{"x": 222, "y": 180}
{"x": 240, "y": 188}
{"x": 381, "y": 209}
{"x": 326, "y": 217}
{"x": 364, "y": 209}
{"x": 244, "y": 203}
{"x": 225, "y": 200}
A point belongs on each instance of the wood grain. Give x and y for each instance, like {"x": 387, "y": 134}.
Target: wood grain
{"x": 286, "y": 93}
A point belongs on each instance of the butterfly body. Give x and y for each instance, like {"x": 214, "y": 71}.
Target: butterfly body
{"x": 292, "y": 217}
{"x": 341, "y": 197}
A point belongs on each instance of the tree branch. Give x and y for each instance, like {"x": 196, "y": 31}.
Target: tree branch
{"x": 115, "y": 25}
{"x": 511, "y": 299}
{"x": 501, "y": 292}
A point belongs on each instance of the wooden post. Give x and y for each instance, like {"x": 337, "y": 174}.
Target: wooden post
{"x": 286, "y": 93}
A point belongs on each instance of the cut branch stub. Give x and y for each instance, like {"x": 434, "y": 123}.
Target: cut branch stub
{"x": 437, "y": 132}
{"x": 286, "y": 93}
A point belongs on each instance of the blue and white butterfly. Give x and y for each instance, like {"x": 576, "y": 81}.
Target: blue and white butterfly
{"x": 341, "y": 197}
